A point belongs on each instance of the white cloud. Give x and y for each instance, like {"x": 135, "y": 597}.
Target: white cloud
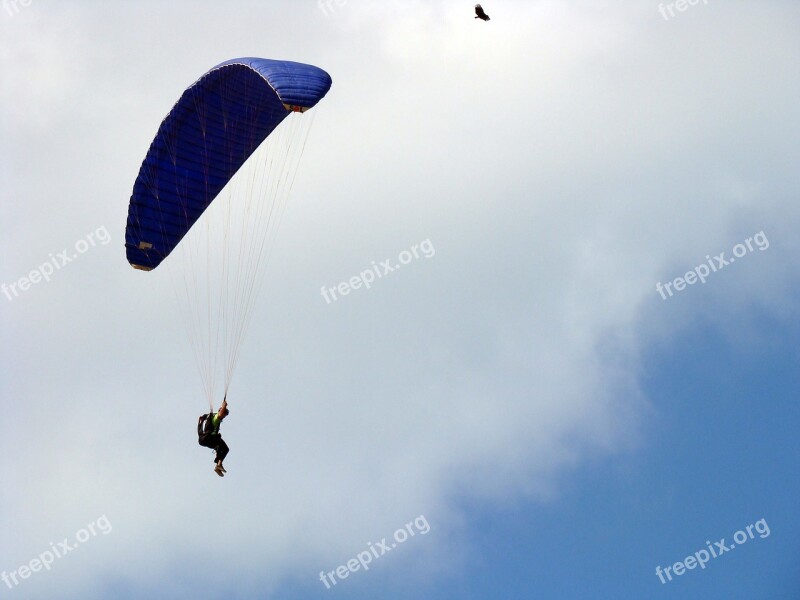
{"x": 561, "y": 160}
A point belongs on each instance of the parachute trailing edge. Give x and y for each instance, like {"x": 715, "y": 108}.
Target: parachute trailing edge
{"x": 211, "y": 131}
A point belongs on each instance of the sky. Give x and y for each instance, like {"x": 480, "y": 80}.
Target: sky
{"x": 587, "y": 390}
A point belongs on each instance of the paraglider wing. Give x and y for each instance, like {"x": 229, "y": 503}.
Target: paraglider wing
{"x": 213, "y": 128}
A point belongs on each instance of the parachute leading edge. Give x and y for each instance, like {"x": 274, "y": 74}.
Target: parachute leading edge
{"x": 211, "y": 131}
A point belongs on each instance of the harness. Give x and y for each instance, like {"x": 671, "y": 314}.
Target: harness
{"x": 205, "y": 426}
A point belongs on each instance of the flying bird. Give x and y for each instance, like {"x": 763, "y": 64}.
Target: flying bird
{"x": 480, "y": 14}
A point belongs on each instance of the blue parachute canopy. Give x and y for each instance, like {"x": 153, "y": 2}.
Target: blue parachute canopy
{"x": 211, "y": 131}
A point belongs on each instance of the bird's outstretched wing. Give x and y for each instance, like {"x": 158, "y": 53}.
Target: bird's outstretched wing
{"x": 480, "y": 13}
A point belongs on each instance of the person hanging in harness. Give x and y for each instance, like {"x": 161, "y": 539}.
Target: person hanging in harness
{"x": 208, "y": 435}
